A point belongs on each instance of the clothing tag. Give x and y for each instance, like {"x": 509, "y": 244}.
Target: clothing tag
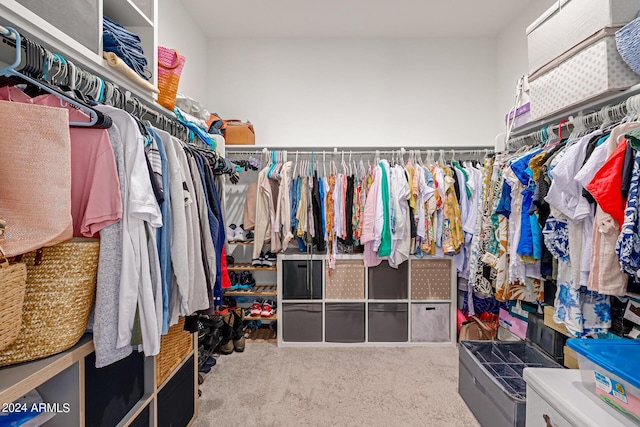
{"x": 632, "y": 312}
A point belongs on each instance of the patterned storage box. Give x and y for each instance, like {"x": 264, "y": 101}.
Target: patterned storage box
{"x": 346, "y": 281}
{"x": 430, "y": 279}
{"x": 569, "y": 22}
{"x": 430, "y": 322}
{"x": 587, "y": 72}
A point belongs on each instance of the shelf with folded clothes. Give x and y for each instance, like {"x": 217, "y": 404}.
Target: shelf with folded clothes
{"x": 257, "y": 290}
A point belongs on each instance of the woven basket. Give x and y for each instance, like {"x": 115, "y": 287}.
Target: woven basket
{"x": 13, "y": 281}
{"x": 628, "y": 44}
{"x": 170, "y": 65}
{"x": 58, "y": 300}
{"x": 175, "y": 346}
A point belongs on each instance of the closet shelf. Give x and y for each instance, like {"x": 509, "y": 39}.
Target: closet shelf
{"x": 262, "y": 336}
{"x": 126, "y": 13}
{"x": 258, "y": 290}
{"x": 264, "y": 319}
{"x": 249, "y": 267}
{"x": 18, "y": 380}
{"x": 240, "y": 243}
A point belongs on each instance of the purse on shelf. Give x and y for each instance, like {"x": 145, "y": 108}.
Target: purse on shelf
{"x": 478, "y": 330}
{"x": 13, "y": 282}
{"x": 170, "y": 65}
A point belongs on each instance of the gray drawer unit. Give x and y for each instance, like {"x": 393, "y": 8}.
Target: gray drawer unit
{"x": 388, "y": 322}
{"x": 301, "y": 279}
{"x": 430, "y": 322}
{"x": 490, "y": 379}
{"x": 301, "y": 322}
{"x": 344, "y": 322}
{"x": 386, "y": 282}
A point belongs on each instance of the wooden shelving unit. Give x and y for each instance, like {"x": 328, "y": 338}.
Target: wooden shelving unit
{"x": 249, "y": 267}
{"x": 263, "y": 336}
{"x": 264, "y": 319}
{"x": 241, "y": 243}
{"x": 256, "y": 291}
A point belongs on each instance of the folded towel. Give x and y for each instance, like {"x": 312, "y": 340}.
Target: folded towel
{"x": 118, "y": 64}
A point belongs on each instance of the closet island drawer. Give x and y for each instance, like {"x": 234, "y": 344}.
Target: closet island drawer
{"x": 430, "y": 279}
{"x": 301, "y": 322}
{"x": 430, "y": 322}
{"x": 346, "y": 281}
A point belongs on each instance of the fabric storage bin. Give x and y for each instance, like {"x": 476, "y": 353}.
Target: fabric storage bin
{"x": 430, "y": 279}
{"x": 344, "y": 322}
{"x": 386, "y": 282}
{"x": 388, "y": 322}
{"x": 301, "y": 322}
{"x": 430, "y": 322}
{"x": 549, "y": 340}
{"x": 490, "y": 379}
{"x": 568, "y": 23}
{"x": 610, "y": 369}
{"x": 301, "y": 279}
{"x": 346, "y": 281}
{"x": 590, "y": 70}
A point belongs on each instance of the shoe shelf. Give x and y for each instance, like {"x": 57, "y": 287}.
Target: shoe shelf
{"x": 262, "y": 335}
{"x": 249, "y": 267}
{"x": 245, "y": 243}
{"x": 258, "y": 290}
{"x": 264, "y": 319}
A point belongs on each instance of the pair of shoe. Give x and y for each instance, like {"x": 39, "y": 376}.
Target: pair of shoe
{"x": 229, "y": 304}
{"x": 235, "y": 233}
{"x": 233, "y": 334}
{"x": 263, "y": 308}
{"x": 266, "y": 259}
{"x": 243, "y": 281}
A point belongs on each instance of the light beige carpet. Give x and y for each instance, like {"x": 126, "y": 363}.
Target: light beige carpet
{"x": 271, "y": 386}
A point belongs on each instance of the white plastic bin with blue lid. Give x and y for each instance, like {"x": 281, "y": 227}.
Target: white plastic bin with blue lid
{"x": 611, "y": 370}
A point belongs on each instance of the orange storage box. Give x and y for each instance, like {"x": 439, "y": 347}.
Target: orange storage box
{"x": 239, "y": 133}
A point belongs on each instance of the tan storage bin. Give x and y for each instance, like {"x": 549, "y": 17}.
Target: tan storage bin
{"x": 430, "y": 279}
{"x": 346, "y": 281}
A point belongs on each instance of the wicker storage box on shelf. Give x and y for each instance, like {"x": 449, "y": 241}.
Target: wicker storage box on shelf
{"x": 13, "y": 282}
{"x": 175, "y": 346}
{"x": 58, "y": 300}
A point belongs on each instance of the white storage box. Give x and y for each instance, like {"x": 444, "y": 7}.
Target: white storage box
{"x": 558, "y": 396}
{"x": 568, "y": 23}
{"x": 610, "y": 368}
{"x": 591, "y": 70}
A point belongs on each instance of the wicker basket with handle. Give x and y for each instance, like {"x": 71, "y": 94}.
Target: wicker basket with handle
{"x": 61, "y": 284}
{"x": 13, "y": 282}
{"x": 170, "y": 65}
{"x": 175, "y": 346}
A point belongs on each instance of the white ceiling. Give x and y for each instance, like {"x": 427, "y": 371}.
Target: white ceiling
{"x": 354, "y": 18}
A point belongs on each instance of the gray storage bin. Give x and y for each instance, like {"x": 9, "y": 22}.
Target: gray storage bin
{"x": 430, "y": 322}
{"x": 301, "y": 322}
{"x": 490, "y": 379}
{"x": 301, "y": 279}
{"x": 344, "y": 322}
{"x": 386, "y": 282}
{"x": 388, "y": 322}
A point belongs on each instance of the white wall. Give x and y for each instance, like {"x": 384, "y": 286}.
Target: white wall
{"x": 178, "y": 30}
{"x": 358, "y": 92}
{"x": 512, "y": 61}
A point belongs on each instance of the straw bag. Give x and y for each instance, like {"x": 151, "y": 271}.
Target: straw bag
{"x": 60, "y": 290}
{"x": 13, "y": 281}
{"x": 170, "y": 65}
{"x": 476, "y": 329}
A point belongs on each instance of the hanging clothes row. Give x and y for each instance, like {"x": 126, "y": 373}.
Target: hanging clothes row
{"x": 564, "y": 212}
{"x": 154, "y": 202}
{"x": 385, "y": 208}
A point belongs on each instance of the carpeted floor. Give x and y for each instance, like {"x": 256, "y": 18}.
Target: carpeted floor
{"x": 271, "y": 386}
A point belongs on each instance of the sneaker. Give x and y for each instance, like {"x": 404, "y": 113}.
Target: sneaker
{"x": 238, "y": 333}
{"x": 246, "y": 281}
{"x": 239, "y": 234}
{"x": 235, "y": 282}
{"x": 270, "y": 259}
{"x": 268, "y": 308}
{"x": 248, "y": 235}
{"x": 256, "y": 307}
{"x": 229, "y": 304}
{"x": 258, "y": 262}
{"x": 230, "y": 260}
{"x": 231, "y": 232}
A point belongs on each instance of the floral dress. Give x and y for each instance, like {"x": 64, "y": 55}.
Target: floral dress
{"x": 628, "y": 245}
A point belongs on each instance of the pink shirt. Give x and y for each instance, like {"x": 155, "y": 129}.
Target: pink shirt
{"x": 95, "y": 188}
